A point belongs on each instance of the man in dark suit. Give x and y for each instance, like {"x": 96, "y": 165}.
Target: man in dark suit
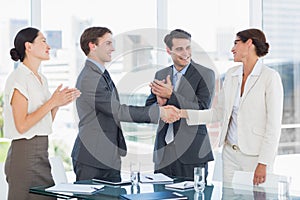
{"x": 100, "y": 141}
{"x": 179, "y": 147}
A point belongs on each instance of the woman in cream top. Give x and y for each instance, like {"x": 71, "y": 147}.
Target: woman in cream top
{"x": 29, "y": 110}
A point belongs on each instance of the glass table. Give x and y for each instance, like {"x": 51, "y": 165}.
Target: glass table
{"x": 212, "y": 191}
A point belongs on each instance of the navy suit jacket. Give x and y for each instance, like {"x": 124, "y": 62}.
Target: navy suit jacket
{"x": 100, "y": 141}
{"x": 195, "y": 91}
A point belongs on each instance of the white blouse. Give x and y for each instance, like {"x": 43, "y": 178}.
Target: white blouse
{"x": 37, "y": 93}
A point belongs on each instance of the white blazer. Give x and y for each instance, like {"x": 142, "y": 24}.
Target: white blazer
{"x": 259, "y": 115}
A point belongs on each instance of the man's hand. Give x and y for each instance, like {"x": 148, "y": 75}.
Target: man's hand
{"x": 260, "y": 174}
{"x": 161, "y": 101}
{"x": 163, "y": 89}
{"x": 169, "y": 114}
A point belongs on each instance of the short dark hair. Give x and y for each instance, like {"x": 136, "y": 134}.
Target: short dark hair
{"x": 91, "y": 35}
{"x": 23, "y": 36}
{"x": 177, "y": 33}
{"x": 258, "y": 39}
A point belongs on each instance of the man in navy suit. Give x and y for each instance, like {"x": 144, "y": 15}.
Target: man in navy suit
{"x": 179, "y": 147}
{"x": 100, "y": 141}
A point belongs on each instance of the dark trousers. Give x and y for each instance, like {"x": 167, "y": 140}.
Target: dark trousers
{"x": 171, "y": 165}
{"x": 87, "y": 172}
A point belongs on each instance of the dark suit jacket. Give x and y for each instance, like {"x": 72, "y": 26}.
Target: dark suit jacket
{"x": 195, "y": 91}
{"x": 100, "y": 141}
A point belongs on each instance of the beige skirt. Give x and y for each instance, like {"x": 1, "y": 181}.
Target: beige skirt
{"x": 27, "y": 165}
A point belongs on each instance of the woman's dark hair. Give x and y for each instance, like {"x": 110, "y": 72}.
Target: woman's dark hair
{"x": 258, "y": 39}
{"x": 23, "y": 36}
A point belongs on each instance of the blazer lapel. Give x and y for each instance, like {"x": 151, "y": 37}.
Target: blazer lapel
{"x": 252, "y": 79}
{"x": 186, "y": 77}
{"x": 170, "y": 72}
{"x": 97, "y": 70}
{"x": 93, "y": 66}
{"x": 235, "y": 85}
{"x": 250, "y": 83}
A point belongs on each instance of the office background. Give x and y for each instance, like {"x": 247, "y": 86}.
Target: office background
{"x": 213, "y": 25}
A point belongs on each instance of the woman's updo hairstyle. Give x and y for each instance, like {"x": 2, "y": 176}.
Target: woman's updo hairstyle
{"x": 258, "y": 40}
{"x": 23, "y": 36}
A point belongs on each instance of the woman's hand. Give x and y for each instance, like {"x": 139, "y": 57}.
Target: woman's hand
{"x": 62, "y": 97}
{"x": 260, "y": 174}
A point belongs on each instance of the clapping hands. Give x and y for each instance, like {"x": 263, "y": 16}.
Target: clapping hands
{"x": 162, "y": 88}
{"x": 64, "y": 96}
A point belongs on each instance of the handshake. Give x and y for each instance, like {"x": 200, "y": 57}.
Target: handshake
{"x": 163, "y": 90}
{"x": 170, "y": 114}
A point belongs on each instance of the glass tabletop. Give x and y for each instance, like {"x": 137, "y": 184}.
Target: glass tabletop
{"x": 114, "y": 192}
{"x": 212, "y": 191}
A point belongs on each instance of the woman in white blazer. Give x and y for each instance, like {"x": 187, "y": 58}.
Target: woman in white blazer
{"x": 249, "y": 109}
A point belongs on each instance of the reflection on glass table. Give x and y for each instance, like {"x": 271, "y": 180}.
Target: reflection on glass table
{"x": 213, "y": 191}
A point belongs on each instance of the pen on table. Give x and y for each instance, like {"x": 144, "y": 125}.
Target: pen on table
{"x": 149, "y": 177}
{"x": 176, "y": 193}
{"x": 95, "y": 188}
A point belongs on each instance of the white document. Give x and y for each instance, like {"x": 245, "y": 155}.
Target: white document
{"x": 155, "y": 178}
{"x": 75, "y": 188}
{"x": 181, "y": 186}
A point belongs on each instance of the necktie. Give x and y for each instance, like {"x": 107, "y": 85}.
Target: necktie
{"x": 111, "y": 85}
{"x": 170, "y": 132}
{"x": 109, "y": 80}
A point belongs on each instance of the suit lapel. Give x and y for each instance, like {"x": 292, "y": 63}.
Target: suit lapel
{"x": 250, "y": 83}
{"x": 93, "y": 66}
{"x": 170, "y": 72}
{"x": 97, "y": 70}
{"x": 234, "y": 90}
{"x": 186, "y": 78}
{"x": 252, "y": 79}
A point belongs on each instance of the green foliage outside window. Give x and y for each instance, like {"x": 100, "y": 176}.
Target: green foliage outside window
{"x": 4, "y": 144}
{"x": 61, "y": 149}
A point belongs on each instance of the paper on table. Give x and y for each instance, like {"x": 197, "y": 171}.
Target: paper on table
{"x": 75, "y": 188}
{"x": 182, "y": 185}
{"x": 155, "y": 178}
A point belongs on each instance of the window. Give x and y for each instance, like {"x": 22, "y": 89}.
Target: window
{"x": 128, "y": 21}
{"x": 12, "y": 18}
{"x": 281, "y": 25}
{"x": 140, "y": 51}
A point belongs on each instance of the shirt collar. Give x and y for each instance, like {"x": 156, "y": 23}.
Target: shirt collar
{"x": 25, "y": 69}
{"x": 102, "y": 68}
{"x": 255, "y": 72}
{"x": 183, "y": 71}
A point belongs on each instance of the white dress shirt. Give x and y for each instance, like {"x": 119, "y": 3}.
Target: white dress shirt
{"x": 232, "y": 136}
